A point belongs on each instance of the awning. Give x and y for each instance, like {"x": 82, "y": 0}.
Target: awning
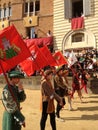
{"x": 40, "y": 41}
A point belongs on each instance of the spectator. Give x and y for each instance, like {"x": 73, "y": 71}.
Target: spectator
{"x": 49, "y": 34}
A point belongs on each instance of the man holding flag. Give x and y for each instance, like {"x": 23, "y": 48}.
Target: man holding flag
{"x": 13, "y": 119}
{"x": 12, "y": 51}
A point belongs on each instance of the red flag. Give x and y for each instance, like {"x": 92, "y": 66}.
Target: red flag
{"x": 50, "y": 59}
{"x": 36, "y": 62}
{"x": 12, "y": 48}
{"x": 60, "y": 59}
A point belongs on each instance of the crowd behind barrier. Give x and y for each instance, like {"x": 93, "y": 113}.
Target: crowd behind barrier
{"x": 88, "y": 60}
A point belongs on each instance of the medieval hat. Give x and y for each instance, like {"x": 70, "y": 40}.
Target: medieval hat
{"x": 15, "y": 74}
{"x": 48, "y": 72}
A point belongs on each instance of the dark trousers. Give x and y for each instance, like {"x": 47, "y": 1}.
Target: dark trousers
{"x": 59, "y": 107}
{"x": 44, "y": 118}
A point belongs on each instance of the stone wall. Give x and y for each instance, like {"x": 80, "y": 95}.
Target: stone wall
{"x": 34, "y": 83}
{"x": 28, "y": 82}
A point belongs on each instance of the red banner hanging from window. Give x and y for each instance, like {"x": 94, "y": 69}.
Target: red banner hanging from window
{"x": 77, "y": 23}
{"x": 40, "y": 41}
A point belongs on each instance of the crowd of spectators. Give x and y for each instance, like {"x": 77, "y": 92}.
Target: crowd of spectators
{"x": 88, "y": 59}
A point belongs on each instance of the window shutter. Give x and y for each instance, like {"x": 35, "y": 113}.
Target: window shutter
{"x": 2, "y": 13}
{"x": 7, "y": 12}
{"x": 10, "y": 11}
{"x": 68, "y": 9}
{"x": 86, "y": 7}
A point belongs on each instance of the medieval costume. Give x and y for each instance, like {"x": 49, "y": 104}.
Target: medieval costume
{"x": 61, "y": 89}
{"x": 76, "y": 84}
{"x": 47, "y": 103}
{"x": 13, "y": 119}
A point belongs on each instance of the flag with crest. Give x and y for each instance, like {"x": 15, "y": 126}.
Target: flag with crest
{"x": 59, "y": 58}
{"x": 12, "y": 48}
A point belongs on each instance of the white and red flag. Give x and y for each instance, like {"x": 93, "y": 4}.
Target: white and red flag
{"x": 72, "y": 59}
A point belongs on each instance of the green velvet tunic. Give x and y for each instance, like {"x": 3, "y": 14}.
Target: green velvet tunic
{"x": 12, "y": 117}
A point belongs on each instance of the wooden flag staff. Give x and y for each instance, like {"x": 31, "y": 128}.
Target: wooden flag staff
{"x": 9, "y": 87}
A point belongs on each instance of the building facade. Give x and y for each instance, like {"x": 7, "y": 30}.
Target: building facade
{"x": 30, "y": 17}
{"x": 85, "y": 37}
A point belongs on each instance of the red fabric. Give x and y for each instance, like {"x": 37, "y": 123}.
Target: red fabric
{"x": 40, "y": 41}
{"x": 12, "y": 48}
{"x": 36, "y": 62}
{"x": 50, "y": 59}
{"x": 77, "y": 23}
{"x": 83, "y": 85}
{"x": 60, "y": 59}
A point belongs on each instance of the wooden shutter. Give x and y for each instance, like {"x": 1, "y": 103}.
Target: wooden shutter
{"x": 2, "y": 13}
{"x": 68, "y": 9}
{"x": 86, "y": 7}
{"x": 7, "y": 12}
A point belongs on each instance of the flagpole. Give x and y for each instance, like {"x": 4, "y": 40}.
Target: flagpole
{"x": 9, "y": 87}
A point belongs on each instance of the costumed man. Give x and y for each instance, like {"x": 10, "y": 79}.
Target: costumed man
{"x": 61, "y": 89}
{"x": 84, "y": 76}
{"x": 76, "y": 83}
{"x": 47, "y": 100}
{"x": 12, "y": 95}
{"x": 69, "y": 92}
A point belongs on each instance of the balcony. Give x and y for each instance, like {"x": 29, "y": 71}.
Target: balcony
{"x": 30, "y": 21}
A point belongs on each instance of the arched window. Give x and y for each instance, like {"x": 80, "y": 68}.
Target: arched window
{"x": 78, "y": 37}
